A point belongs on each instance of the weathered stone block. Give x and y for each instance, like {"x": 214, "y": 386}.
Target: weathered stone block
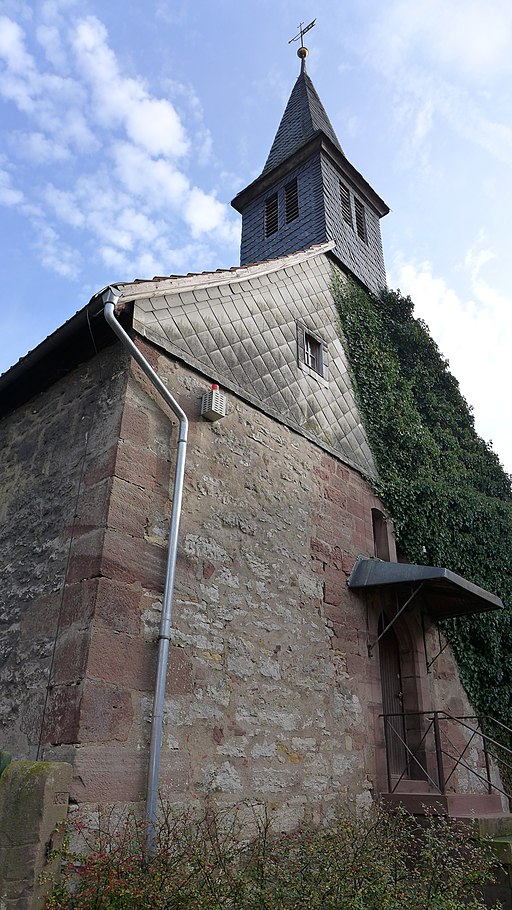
{"x": 92, "y": 507}
{"x": 62, "y": 717}
{"x": 118, "y": 606}
{"x": 100, "y": 466}
{"x": 115, "y": 657}
{"x": 135, "y": 425}
{"x": 132, "y": 561}
{"x": 108, "y": 773}
{"x": 85, "y": 559}
{"x": 106, "y": 713}
{"x": 180, "y": 672}
{"x": 79, "y": 603}
{"x": 33, "y": 801}
{"x": 71, "y": 653}
{"x": 138, "y": 465}
{"x": 129, "y": 507}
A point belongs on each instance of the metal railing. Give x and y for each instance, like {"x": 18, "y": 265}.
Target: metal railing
{"x": 422, "y": 745}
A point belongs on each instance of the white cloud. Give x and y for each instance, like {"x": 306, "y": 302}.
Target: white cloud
{"x": 78, "y": 104}
{"x": 474, "y": 335}
{"x": 9, "y": 195}
{"x": 150, "y": 122}
{"x": 50, "y": 40}
{"x": 156, "y": 180}
{"x": 203, "y": 212}
{"x": 64, "y": 205}
{"x": 472, "y": 37}
{"x": 55, "y": 255}
{"x": 12, "y": 47}
{"x": 39, "y": 148}
{"x": 435, "y": 53}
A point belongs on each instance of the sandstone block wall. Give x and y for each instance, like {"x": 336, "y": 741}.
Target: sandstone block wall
{"x": 54, "y": 489}
{"x": 267, "y": 639}
{"x": 271, "y": 693}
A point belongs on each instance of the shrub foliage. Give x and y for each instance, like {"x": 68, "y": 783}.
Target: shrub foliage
{"x": 376, "y": 862}
{"x": 449, "y": 497}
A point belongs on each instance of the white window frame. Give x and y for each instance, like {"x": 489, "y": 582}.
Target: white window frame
{"x": 312, "y": 354}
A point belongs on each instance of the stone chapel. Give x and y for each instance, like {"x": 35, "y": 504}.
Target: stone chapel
{"x": 304, "y": 662}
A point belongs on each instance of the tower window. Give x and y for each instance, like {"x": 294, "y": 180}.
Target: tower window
{"x": 271, "y": 222}
{"x": 360, "y": 220}
{"x": 346, "y": 210}
{"x": 291, "y": 201}
{"x": 380, "y": 535}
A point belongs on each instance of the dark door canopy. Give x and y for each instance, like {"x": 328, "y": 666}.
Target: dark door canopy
{"x": 444, "y": 594}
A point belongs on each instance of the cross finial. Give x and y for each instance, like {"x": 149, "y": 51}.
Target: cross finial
{"x": 302, "y": 51}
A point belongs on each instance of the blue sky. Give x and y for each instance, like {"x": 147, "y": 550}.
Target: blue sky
{"x": 129, "y": 127}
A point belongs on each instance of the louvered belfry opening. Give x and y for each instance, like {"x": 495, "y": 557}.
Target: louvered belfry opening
{"x": 360, "y": 220}
{"x": 291, "y": 201}
{"x": 346, "y": 210}
{"x": 271, "y": 215}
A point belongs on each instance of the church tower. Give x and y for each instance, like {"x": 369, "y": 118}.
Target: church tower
{"x": 309, "y": 192}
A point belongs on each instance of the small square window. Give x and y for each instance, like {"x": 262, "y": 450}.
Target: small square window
{"x": 291, "y": 201}
{"x": 271, "y": 215}
{"x": 311, "y": 353}
{"x": 360, "y": 220}
{"x": 346, "y": 209}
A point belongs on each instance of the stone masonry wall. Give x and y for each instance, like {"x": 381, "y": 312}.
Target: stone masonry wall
{"x": 267, "y": 640}
{"x": 53, "y": 484}
{"x": 271, "y": 693}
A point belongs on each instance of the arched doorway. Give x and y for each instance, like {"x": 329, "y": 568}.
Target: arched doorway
{"x": 393, "y": 701}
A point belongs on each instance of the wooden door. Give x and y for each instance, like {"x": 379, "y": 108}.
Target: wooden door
{"x": 392, "y": 700}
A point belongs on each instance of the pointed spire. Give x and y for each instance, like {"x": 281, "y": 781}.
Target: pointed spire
{"x": 304, "y": 116}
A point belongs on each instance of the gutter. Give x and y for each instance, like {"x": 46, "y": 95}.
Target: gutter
{"x": 109, "y": 298}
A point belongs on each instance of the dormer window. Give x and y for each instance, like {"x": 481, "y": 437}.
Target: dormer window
{"x": 311, "y": 354}
{"x": 360, "y": 220}
{"x": 346, "y": 209}
{"x": 271, "y": 215}
{"x": 291, "y": 201}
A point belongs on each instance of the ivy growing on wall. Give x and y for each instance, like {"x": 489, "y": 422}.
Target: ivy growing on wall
{"x": 449, "y": 497}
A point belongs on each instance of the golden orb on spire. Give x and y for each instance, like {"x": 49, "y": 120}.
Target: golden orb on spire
{"x": 302, "y": 51}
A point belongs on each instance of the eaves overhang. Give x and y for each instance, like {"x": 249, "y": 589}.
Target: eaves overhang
{"x": 318, "y": 142}
{"x": 74, "y": 342}
{"x": 443, "y": 593}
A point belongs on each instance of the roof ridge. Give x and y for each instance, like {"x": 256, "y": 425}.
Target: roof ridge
{"x": 219, "y": 276}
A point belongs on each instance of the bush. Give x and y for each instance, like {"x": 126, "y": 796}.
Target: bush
{"x": 381, "y": 861}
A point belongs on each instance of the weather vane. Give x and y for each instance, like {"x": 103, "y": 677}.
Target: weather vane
{"x": 302, "y": 51}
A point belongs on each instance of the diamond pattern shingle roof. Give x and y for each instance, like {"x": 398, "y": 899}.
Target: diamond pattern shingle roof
{"x": 247, "y": 341}
{"x": 304, "y": 116}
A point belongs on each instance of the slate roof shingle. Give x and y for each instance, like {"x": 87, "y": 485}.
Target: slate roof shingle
{"x": 304, "y": 116}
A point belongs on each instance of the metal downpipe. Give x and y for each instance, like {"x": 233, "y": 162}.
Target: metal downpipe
{"x": 109, "y": 298}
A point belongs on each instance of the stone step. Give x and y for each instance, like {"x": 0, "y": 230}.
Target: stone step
{"x": 472, "y": 806}
{"x": 494, "y": 826}
{"x": 502, "y": 848}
